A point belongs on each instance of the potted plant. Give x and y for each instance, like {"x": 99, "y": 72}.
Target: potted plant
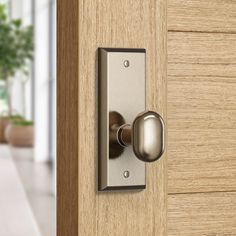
{"x": 16, "y": 50}
{"x": 20, "y": 133}
{"x": 4, "y": 122}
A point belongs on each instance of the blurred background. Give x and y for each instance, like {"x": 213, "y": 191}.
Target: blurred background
{"x": 27, "y": 117}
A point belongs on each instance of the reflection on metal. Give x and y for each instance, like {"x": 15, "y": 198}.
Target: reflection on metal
{"x": 115, "y": 121}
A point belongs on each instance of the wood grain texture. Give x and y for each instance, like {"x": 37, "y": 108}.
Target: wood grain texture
{"x": 67, "y": 118}
{"x": 201, "y": 117}
{"x": 112, "y": 23}
{"x": 202, "y": 15}
{"x": 201, "y": 112}
{"x": 202, "y": 214}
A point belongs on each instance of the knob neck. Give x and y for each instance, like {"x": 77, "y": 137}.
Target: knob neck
{"x": 124, "y": 135}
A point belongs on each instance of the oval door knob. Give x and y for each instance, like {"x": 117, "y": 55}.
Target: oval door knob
{"x": 146, "y": 135}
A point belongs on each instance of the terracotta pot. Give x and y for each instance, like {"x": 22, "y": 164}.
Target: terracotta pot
{"x": 4, "y": 121}
{"x": 20, "y": 136}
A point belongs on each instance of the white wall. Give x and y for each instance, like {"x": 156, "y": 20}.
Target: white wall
{"x": 45, "y": 67}
{"x": 41, "y": 80}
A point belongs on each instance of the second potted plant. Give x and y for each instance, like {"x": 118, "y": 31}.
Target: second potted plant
{"x": 20, "y": 133}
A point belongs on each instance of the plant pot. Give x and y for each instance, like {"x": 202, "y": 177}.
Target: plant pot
{"x": 4, "y": 121}
{"x": 20, "y": 136}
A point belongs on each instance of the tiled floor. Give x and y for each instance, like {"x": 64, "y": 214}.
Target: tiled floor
{"x": 35, "y": 182}
{"x": 16, "y": 216}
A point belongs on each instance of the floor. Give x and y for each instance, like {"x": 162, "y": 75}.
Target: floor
{"x": 27, "y": 202}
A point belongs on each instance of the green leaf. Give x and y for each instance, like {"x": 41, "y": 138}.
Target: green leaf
{"x": 17, "y": 22}
{"x": 16, "y": 45}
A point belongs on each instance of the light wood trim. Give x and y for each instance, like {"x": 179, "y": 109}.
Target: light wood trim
{"x": 108, "y": 23}
{"x": 67, "y": 118}
{"x": 202, "y": 15}
{"x": 202, "y": 214}
{"x": 201, "y": 112}
{"x": 120, "y": 24}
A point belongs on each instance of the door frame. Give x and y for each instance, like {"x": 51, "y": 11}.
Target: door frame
{"x": 67, "y": 117}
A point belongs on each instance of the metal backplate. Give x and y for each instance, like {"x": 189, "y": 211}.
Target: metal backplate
{"x": 121, "y": 90}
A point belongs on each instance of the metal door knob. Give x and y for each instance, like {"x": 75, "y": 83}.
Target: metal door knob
{"x": 146, "y": 135}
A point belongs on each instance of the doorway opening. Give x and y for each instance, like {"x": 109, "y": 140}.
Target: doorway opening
{"x": 28, "y": 117}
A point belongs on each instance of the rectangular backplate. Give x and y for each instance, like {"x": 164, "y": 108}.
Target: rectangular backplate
{"x": 121, "y": 82}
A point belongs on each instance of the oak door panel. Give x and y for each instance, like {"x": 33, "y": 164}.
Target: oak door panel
{"x": 201, "y": 112}
{"x": 202, "y": 214}
{"x": 202, "y": 15}
{"x": 201, "y": 109}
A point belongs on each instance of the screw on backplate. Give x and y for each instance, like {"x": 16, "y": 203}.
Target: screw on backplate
{"x": 126, "y": 63}
{"x": 126, "y": 174}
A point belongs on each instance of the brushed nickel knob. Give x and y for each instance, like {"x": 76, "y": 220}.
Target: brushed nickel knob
{"x": 146, "y": 135}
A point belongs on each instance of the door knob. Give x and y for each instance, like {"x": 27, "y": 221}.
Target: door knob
{"x": 145, "y": 135}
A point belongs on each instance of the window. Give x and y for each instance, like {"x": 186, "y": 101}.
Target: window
{"x": 3, "y": 97}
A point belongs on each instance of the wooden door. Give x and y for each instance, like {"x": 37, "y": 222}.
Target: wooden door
{"x": 83, "y": 26}
{"x": 201, "y": 117}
